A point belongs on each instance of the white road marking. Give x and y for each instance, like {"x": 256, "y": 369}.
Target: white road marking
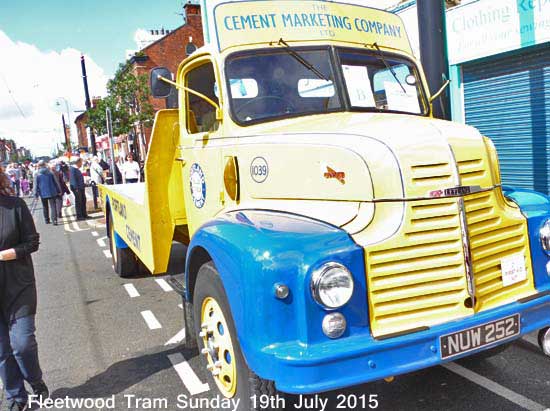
{"x": 107, "y": 254}
{"x": 151, "y": 320}
{"x": 193, "y": 384}
{"x": 176, "y": 339}
{"x": 71, "y": 219}
{"x": 102, "y": 242}
{"x": 131, "y": 290}
{"x": 95, "y": 224}
{"x": 180, "y": 306}
{"x": 95, "y": 233}
{"x": 65, "y": 214}
{"x": 164, "y": 285}
{"x": 494, "y": 387}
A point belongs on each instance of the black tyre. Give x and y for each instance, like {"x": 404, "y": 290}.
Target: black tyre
{"x": 218, "y": 343}
{"x": 125, "y": 262}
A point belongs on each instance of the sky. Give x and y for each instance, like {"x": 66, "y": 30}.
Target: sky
{"x": 41, "y": 42}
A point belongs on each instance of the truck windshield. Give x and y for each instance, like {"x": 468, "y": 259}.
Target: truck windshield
{"x": 377, "y": 82}
{"x": 273, "y": 84}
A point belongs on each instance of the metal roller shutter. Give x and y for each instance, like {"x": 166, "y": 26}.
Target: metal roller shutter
{"x": 508, "y": 100}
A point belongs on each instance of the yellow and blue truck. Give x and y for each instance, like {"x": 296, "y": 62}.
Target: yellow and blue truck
{"x": 336, "y": 232}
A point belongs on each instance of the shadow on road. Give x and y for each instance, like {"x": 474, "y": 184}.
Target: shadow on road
{"x": 122, "y": 375}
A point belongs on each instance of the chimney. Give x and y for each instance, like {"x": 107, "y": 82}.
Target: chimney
{"x": 192, "y": 9}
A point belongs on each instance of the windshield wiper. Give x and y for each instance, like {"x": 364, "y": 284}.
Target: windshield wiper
{"x": 301, "y": 60}
{"x": 390, "y": 68}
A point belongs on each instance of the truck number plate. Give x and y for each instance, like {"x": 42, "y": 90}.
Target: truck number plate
{"x": 480, "y": 336}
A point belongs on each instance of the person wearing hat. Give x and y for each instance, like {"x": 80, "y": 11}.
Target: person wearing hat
{"x": 78, "y": 188}
{"x": 48, "y": 190}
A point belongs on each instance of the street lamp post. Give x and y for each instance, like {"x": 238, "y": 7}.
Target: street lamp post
{"x": 67, "y": 137}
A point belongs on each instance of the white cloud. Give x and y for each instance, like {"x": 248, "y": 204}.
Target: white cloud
{"x": 38, "y": 80}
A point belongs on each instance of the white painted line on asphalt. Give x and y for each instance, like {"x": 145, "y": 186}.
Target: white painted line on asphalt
{"x": 102, "y": 242}
{"x": 95, "y": 233}
{"x": 64, "y": 214}
{"x": 494, "y": 387}
{"x": 131, "y": 290}
{"x": 176, "y": 339}
{"x": 107, "y": 254}
{"x": 151, "y": 320}
{"x": 164, "y": 285}
{"x": 95, "y": 224}
{"x": 193, "y": 384}
{"x": 180, "y": 306}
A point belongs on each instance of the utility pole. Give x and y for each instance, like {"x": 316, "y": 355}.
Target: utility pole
{"x": 111, "y": 143}
{"x": 88, "y": 102}
{"x": 433, "y": 51}
{"x": 67, "y": 136}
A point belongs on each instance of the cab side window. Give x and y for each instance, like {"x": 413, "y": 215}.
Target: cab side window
{"x": 201, "y": 115}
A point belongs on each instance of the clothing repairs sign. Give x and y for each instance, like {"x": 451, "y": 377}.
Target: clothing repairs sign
{"x": 256, "y": 22}
{"x": 489, "y": 27}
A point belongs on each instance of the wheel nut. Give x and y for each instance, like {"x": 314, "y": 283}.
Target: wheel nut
{"x": 210, "y": 367}
{"x": 215, "y": 373}
{"x": 202, "y": 334}
{"x": 218, "y": 364}
{"x": 205, "y": 351}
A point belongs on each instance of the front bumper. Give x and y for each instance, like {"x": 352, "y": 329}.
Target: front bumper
{"x": 360, "y": 358}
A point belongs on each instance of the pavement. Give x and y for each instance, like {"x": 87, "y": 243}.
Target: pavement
{"x": 114, "y": 343}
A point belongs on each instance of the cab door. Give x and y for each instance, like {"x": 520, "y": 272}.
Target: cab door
{"x": 200, "y": 152}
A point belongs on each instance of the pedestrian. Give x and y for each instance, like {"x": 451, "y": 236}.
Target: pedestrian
{"x": 96, "y": 176}
{"x": 18, "y": 346}
{"x": 63, "y": 189}
{"x": 130, "y": 170}
{"x": 47, "y": 189}
{"x": 14, "y": 174}
{"x": 79, "y": 189}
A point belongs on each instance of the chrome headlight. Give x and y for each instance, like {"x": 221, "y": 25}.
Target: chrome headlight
{"x": 545, "y": 235}
{"x": 332, "y": 285}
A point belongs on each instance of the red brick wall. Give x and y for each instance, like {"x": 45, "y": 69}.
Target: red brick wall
{"x": 170, "y": 51}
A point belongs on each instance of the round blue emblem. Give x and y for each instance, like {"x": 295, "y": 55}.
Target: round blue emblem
{"x": 198, "y": 185}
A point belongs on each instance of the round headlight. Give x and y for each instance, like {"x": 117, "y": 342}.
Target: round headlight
{"x": 545, "y": 235}
{"x": 332, "y": 285}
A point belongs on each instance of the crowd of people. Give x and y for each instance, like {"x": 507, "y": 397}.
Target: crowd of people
{"x": 50, "y": 181}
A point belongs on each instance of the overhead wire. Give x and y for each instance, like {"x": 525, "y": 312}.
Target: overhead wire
{"x": 12, "y": 96}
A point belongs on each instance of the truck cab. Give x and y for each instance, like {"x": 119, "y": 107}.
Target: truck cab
{"x": 337, "y": 233}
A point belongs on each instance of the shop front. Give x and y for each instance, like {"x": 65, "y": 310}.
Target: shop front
{"x": 500, "y": 66}
{"x": 499, "y": 56}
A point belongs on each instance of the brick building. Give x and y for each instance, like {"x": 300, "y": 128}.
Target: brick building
{"x": 169, "y": 51}
{"x": 8, "y": 151}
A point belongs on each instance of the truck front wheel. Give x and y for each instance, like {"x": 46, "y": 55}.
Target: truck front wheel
{"x": 218, "y": 343}
{"x": 125, "y": 262}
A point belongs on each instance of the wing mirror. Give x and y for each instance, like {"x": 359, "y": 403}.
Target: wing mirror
{"x": 441, "y": 90}
{"x": 159, "y": 87}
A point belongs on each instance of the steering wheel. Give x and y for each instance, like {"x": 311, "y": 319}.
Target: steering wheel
{"x": 289, "y": 107}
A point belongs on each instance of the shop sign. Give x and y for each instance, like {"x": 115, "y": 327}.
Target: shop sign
{"x": 487, "y": 27}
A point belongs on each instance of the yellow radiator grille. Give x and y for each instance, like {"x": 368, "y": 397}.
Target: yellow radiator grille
{"x": 472, "y": 171}
{"x": 418, "y": 279}
{"x": 494, "y": 236}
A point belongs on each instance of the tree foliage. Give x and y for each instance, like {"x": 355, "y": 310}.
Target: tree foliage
{"x": 128, "y": 99}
